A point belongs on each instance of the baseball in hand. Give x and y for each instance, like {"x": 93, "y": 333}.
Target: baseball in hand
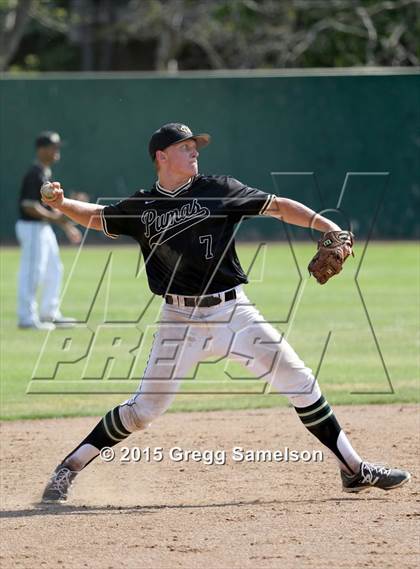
{"x": 47, "y": 191}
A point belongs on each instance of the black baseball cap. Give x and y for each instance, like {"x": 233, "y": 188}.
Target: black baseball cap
{"x": 47, "y": 138}
{"x": 172, "y": 133}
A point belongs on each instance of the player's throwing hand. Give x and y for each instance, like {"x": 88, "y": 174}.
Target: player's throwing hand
{"x": 52, "y": 194}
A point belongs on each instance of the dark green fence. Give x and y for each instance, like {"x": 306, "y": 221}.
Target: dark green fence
{"x": 320, "y": 134}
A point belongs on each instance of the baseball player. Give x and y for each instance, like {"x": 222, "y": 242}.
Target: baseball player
{"x": 40, "y": 263}
{"x": 185, "y": 227}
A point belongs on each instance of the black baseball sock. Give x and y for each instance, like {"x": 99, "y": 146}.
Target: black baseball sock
{"x": 107, "y": 433}
{"x": 320, "y": 420}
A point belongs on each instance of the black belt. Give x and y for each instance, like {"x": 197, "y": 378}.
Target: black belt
{"x": 202, "y": 301}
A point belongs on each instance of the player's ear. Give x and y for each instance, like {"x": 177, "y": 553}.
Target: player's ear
{"x": 160, "y": 156}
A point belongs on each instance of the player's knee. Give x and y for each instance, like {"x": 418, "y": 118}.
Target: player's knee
{"x": 297, "y": 384}
{"x": 307, "y": 393}
{"x": 132, "y": 419}
{"x": 137, "y": 414}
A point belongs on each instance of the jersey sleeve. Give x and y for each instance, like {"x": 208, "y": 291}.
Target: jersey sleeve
{"x": 118, "y": 219}
{"x": 244, "y": 200}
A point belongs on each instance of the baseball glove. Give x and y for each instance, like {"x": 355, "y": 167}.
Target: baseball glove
{"x": 333, "y": 249}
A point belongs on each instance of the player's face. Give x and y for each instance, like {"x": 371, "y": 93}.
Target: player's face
{"x": 182, "y": 158}
{"x": 49, "y": 154}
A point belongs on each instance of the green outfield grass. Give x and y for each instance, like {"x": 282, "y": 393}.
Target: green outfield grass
{"x": 351, "y": 372}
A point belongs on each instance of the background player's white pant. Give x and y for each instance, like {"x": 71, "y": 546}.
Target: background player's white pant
{"x": 235, "y": 329}
{"x": 40, "y": 266}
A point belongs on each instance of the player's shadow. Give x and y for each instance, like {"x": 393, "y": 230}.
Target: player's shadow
{"x": 68, "y": 510}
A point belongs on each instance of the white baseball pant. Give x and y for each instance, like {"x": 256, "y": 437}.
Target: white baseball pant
{"x": 40, "y": 267}
{"x": 233, "y": 329}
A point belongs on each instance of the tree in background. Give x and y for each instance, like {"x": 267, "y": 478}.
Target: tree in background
{"x": 106, "y": 35}
{"x": 14, "y": 17}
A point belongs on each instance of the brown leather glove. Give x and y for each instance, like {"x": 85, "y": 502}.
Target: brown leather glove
{"x": 333, "y": 249}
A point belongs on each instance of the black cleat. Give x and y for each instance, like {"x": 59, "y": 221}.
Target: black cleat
{"x": 374, "y": 476}
{"x": 57, "y": 489}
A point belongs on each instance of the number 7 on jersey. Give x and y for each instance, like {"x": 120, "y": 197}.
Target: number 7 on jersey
{"x": 207, "y": 240}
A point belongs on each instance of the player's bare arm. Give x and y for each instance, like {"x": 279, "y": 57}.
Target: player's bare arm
{"x": 296, "y": 213}
{"x": 35, "y": 210}
{"x": 334, "y": 247}
{"x": 83, "y": 213}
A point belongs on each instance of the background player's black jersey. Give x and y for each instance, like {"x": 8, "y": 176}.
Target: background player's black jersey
{"x": 30, "y": 189}
{"x": 187, "y": 236}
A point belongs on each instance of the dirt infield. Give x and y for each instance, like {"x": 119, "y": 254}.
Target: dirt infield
{"x": 189, "y": 514}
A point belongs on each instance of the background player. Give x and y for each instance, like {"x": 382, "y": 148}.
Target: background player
{"x": 185, "y": 228}
{"x": 40, "y": 264}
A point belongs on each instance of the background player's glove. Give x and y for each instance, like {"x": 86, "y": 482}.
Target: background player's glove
{"x": 333, "y": 249}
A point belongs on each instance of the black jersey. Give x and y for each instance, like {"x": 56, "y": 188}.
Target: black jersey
{"x": 30, "y": 189}
{"x": 187, "y": 236}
